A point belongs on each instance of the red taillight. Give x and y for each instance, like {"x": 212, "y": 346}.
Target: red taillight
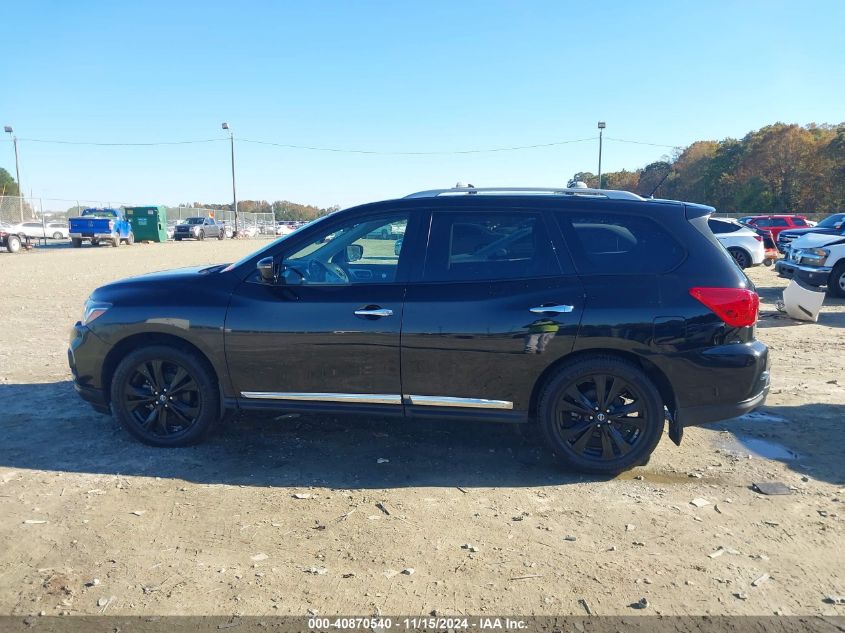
{"x": 759, "y": 238}
{"x": 737, "y": 307}
{"x": 111, "y": 225}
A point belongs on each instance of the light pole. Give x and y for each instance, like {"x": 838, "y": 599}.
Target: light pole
{"x": 225, "y": 126}
{"x": 9, "y": 130}
{"x": 602, "y": 125}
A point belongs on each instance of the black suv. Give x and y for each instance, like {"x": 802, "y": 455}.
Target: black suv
{"x": 594, "y": 315}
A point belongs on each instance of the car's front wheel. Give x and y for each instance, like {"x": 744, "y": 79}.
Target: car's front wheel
{"x": 13, "y": 243}
{"x": 165, "y": 396}
{"x": 836, "y": 281}
{"x": 601, "y": 415}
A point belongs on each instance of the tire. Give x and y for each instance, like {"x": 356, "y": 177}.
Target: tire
{"x": 220, "y": 235}
{"x": 57, "y": 236}
{"x": 115, "y": 241}
{"x": 742, "y": 258}
{"x": 836, "y": 281}
{"x": 139, "y": 384}
{"x": 130, "y": 240}
{"x": 75, "y": 242}
{"x": 201, "y": 235}
{"x": 587, "y": 439}
{"x": 95, "y": 242}
{"x": 13, "y": 243}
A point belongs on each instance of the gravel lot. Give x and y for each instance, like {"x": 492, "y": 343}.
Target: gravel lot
{"x": 289, "y": 516}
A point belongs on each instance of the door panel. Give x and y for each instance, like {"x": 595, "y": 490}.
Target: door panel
{"x": 471, "y": 340}
{"x": 468, "y": 329}
{"x": 307, "y": 339}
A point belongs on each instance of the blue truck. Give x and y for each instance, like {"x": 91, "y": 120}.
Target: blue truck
{"x": 108, "y": 226}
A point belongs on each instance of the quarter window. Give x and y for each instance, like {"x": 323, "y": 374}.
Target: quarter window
{"x": 480, "y": 246}
{"x": 615, "y": 244}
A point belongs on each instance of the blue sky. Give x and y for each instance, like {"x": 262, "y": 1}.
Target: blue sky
{"x": 394, "y": 77}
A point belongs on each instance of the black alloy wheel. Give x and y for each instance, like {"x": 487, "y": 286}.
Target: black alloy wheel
{"x": 164, "y": 396}
{"x": 740, "y": 257}
{"x": 601, "y": 415}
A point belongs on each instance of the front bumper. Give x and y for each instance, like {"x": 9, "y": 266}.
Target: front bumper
{"x": 85, "y": 357}
{"x": 812, "y": 275}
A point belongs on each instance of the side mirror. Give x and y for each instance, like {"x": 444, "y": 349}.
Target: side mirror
{"x": 267, "y": 269}
{"x": 354, "y": 252}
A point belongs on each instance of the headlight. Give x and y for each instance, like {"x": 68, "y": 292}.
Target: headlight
{"x": 93, "y": 310}
{"x": 821, "y": 253}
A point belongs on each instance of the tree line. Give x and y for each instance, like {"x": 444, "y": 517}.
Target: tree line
{"x": 779, "y": 168}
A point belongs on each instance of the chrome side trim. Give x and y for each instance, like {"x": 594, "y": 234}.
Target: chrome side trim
{"x": 355, "y": 398}
{"x": 448, "y": 401}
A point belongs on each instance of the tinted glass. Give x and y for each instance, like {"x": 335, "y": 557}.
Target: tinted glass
{"x": 832, "y": 220}
{"x": 779, "y": 222}
{"x": 799, "y": 222}
{"x": 482, "y": 245}
{"x": 614, "y": 244}
{"x": 762, "y": 222}
{"x": 721, "y": 226}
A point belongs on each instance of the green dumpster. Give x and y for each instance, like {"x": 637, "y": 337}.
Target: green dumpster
{"x": 148, "y": 223}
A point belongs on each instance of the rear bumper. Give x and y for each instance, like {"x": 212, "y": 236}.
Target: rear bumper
{"x": 96, "y": 236}
{"x": 85, "y": 357}
{"x": 721, "y": 382}
{"x": 812, "y": 275}
{"x": 692, "y": 416}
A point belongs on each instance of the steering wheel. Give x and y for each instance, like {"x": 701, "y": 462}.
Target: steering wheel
{"x": 330, "y": 273}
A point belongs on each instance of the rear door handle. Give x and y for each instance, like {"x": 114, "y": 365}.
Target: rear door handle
{"x": 374, "y": 312}
{"x": 551, "y": 309}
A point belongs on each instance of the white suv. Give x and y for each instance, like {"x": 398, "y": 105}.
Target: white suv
{"x": 744, "y": 245}
{"x": 817, "y": 259}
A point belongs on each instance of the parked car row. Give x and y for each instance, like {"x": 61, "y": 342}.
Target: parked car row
{"x": 815, "y": 256}
{"x": 49, "y": 230}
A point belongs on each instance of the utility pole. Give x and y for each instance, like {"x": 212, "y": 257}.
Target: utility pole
{"x": 602, "y": 125}
{"x": 225, "y": 126}
{"x": 9, "y": 130}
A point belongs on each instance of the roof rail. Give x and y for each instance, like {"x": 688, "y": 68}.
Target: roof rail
{"x": 607, "y": 194}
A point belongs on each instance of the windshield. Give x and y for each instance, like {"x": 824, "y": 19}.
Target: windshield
{"x": 832, "y": 221}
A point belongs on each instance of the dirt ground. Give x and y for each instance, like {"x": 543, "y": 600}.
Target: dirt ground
{"x": 297, "y": 515}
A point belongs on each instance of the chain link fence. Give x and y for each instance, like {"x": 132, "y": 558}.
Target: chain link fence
{"x": 16, "y": 210}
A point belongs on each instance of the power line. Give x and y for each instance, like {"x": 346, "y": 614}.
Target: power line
{"x": 317, "y": 148}
{"x": 430, "y": 153}
{"x": 622, "y": 140}
{"x": 57, "y": 142}
{"x": 340, "y": 150}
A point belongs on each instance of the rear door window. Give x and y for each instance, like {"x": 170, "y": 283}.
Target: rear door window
{"x": 616, "y": 244}
{"x": 723, "y": 226}
{"x": 477, "y": 246}
{"x": 799, "y": 222}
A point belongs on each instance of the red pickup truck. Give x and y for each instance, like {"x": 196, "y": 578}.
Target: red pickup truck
{"x": 776, "y": 223}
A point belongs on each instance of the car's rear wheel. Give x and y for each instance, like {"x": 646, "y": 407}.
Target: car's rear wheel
{"x": 201, "y": 235}
{"x": 740, "y": 257}
{"x": 601, "y": 415}
{"x": 836, "y": 281}
{"x": 130, "y": 240}
{"x": 165, "y": 396}
{"x": 115, "y": 241}
{"x": 13, "y": 243}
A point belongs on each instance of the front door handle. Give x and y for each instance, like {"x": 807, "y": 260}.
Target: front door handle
{"x": 551, "y": 309}
{"x": 374, "y": 311}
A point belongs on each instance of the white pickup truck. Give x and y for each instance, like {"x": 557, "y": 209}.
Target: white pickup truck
{"x": 818, "y": 260}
